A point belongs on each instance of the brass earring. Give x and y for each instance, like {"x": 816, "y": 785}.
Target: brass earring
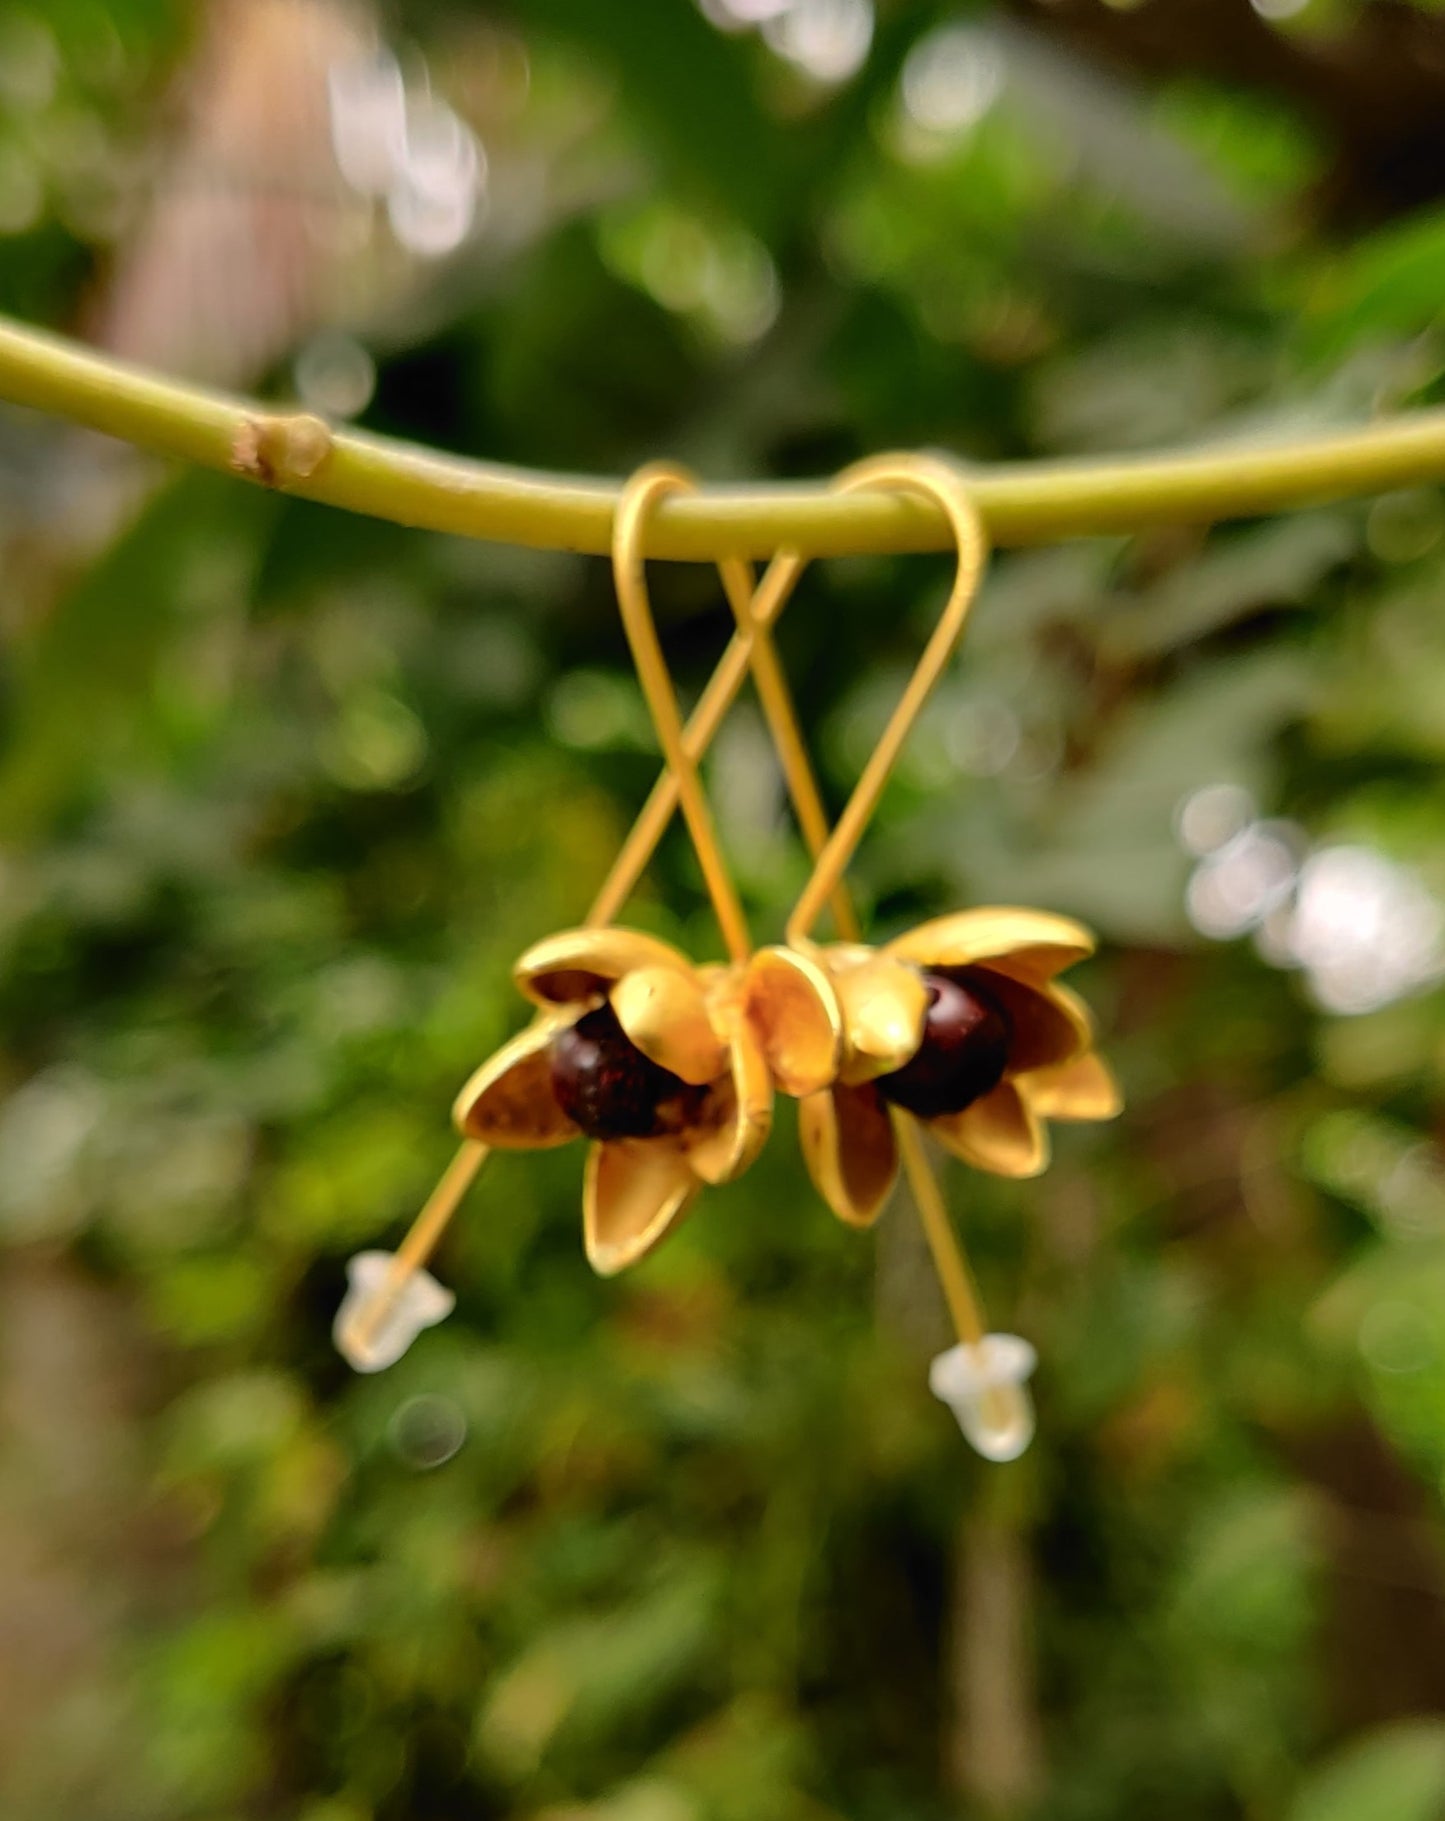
{"x": 958, "y": 1025}
{"x": 391, "y": 1297}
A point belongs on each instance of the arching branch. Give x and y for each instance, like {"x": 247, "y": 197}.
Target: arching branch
{"x": 1022, "y": 503}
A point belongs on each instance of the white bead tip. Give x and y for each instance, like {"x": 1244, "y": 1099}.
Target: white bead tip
{"x": 369, "y": 1338}
{"x": 986, "y": 1388}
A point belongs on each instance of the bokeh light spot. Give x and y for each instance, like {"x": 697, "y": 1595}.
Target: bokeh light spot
{"x": 428, "y": 1431}
{"x": 828, "y": 40}
{"x": 335, "y": 376}
{"x": 951, "y": 79}
{"x": 1396, "y": 1337}
{"x": 1210, "y": 818}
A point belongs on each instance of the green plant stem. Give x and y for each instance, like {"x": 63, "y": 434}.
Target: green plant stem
{"x": 1021, "y": 503}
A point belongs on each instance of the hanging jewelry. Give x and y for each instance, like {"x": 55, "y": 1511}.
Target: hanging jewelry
{"x": 391, "y": 1297}
{"x": 958, "y": 1024}
{"x": 652, "y": 1058}
{"x": 670, "y": 1068}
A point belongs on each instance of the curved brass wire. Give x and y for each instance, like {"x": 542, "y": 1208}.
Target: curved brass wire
{"x": 782, "y": 718}
{"x": 639, "y": 495}
{"x": 935, "y": 480}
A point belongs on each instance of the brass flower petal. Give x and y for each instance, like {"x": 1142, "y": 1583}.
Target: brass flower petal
{"x": 884, "y": 1004}
{"x": 839, "y": 955}
{"x": 999, "y": 1133}
{"x": 1049, "y": 1027}
{"x": 664, "y": 1013}
{"x": 740, "y": 1108}
{"x": 794, "y": 1010}
{"x": 580, "y": 964}
{"x": 1082, "y": 1089}
{"x": 635, "y": 1190}
{"x": 1029, "y": 945}
{"x": 850, "y": 1150}
{"x": 509, "y": 1102}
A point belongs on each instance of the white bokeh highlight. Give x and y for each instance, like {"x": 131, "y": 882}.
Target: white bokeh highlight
{"x": 827, "y": 40}
{"x": 951, "y": 78}
{"x": 1363, "y": 929}
{"x": 334, "y": 374}
{"x": 1208, "y": 819}
{"x": 403, "y": 147}
{"x": 741, "y": 15}
{"x": 367, "y": 105}
{"x": 1236, "y": 888}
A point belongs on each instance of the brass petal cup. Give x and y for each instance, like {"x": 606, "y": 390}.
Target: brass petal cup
{"x": 884, "y": 1003}
{"x": 999, "y": 1133}
{"x": 697, "y": 1023}
{"x": 850, "y": 1151}
{"x": 1029, "y": 945}
{"x": 793, "y": 1008}
{"x": 664, "y": 1012}
{"x": 635, "y": 1191}
{"x": 1011, "y": 955}
{"x": 579, "y": 965}
{"x": 509, "y": 1103}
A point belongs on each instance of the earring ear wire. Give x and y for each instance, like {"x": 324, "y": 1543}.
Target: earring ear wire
{"x": 781, "y": 715}
{"x": 639, "y": 495}
{"x": 938, "y": 481}
{"x": 721, "y": 691}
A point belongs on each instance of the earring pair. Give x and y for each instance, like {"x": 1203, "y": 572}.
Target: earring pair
{"x": 670, "y": 1068}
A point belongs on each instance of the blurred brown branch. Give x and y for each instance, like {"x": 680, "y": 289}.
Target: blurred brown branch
{"x": 222, "y": 276}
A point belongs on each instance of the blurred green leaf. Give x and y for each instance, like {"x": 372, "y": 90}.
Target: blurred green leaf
{"x": 1395, "y": 1774}
{"x": 689, "y": 89}
{"x": 1388, "y": 283}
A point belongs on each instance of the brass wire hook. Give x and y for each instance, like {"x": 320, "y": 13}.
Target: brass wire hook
{"x": 640, "y": 494}
{"x": 781, "y": 715}
{"x": 936, "y": 480}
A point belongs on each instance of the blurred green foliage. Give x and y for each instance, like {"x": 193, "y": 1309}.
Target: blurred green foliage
{"x": 283, "y": 794}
